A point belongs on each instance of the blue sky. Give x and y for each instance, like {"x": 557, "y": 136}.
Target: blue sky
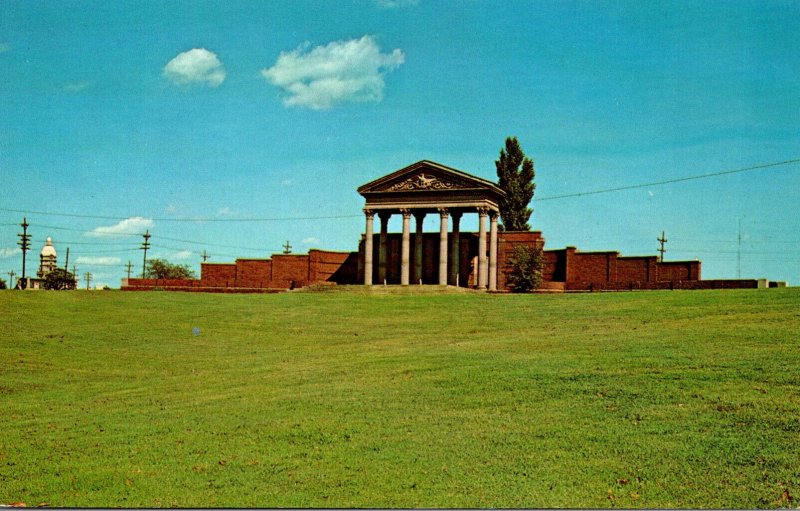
{"x": 226, "y": 126}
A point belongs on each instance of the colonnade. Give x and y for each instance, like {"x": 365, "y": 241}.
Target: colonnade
{"x": 487, "y": 259}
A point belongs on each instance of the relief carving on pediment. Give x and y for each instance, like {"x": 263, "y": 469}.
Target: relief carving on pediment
{"x": 422, "y": 182}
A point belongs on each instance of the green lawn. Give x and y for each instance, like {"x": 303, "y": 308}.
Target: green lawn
{"x": 400, "y": 399}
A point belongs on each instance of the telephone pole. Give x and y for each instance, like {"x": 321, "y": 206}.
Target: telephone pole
{"x": 739, "y": 253}
{"x": 11, "y": 279}
{"x": 662, "y": 239}
{"x": 144, "y": 247}
{"x": 67, "y": 285}
{"x": 25, "y": 244}
{"x": 88, "y": 277}
{"x": 205, "y": 256}
{"x": 287, "y": 249}
{"x": 128, "y": 267}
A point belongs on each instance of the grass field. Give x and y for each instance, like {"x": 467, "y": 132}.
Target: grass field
{"x": 400, "y": 399}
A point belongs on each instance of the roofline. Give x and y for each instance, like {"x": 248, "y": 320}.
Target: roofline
{"x": 420, "y": 163}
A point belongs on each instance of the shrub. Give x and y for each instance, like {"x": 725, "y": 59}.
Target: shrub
{"x": 526, "y": 269}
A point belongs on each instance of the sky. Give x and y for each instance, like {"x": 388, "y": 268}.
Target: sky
{"x": 230, "y": 128}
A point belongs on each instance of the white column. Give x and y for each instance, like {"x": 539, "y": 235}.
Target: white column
{"x": 368, "y": 248}
{"x": 493, "y": 251}
{"x": 483, "y": 267}
{"x": 443, "y": 214}
{"x": 405, "y": 249}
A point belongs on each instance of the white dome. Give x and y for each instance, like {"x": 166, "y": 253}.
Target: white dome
{"x": 48, "y": 249}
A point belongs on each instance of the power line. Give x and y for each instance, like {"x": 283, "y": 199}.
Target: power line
{"x": 669, "y": 181}
{"x": 196, "y": 220}
{"x": 72, "y": 229}
{"x": 335, "y": 217}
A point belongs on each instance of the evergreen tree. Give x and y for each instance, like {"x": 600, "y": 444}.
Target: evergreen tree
{"x": 515, "y": 177}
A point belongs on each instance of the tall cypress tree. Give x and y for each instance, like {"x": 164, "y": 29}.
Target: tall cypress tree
{"x": 515, "y": 177}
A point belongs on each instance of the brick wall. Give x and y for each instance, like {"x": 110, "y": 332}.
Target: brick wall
{"x": 218, "y": 274}
{"x": 161, "y": 283}
{"x": 636, "y": 269}
{"x": 563, "y": 269}
{"x": 289, "y": 271}
{"x": 591, "y": 267}
{"x": 679, "y": 270}
{"x": 336, "y": 267}
{"x": 255, "y": 273}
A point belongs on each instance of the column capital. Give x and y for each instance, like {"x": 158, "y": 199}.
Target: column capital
{"x": 419, "y": 214}
{"x": 494, "y": 215}
{"x": 483, "y": 211}
{"x": 368, "y": 212}
{"x": 443, "y": 212}
{"x": 405, "y": 212}
{"x": 456, "y": 214}
{"x": 384, "y": 215}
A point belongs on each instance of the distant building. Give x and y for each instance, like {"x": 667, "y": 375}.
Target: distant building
{"x": 47, "y": 263}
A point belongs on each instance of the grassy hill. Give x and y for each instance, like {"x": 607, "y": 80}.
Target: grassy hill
{"x": 400, "y": 399}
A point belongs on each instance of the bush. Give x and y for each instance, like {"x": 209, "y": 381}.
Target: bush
{"x": 59, "y": 279}
{"x": 526, "y": 269}
{"x": 164, "y": 270}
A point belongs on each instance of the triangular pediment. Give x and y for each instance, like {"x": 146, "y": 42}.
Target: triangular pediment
{"x": 427, "y": 176}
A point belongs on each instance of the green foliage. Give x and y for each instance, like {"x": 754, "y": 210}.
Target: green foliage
{"x": 3, "y": 284}
{"x": 161, "y": 269}
{"x": 683, "y": 399}
{"x": 526, "y": 269}
{"x": 515, "y": 176}
{"x": 59, "y": 279}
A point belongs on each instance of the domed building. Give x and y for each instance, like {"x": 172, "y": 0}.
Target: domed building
{"x": 47, "y": 259}
{"x": 47, "y": 263}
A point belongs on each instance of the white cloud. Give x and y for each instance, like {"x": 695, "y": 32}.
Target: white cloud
{"x": 133, "y": 226}
{"x": 101, "y": 261}
{"x": 311, "y": 241}
{"x": 287, "y": 182}
{"x": 77, "y": 86}
{"x": 5, "y": 253}
{"x": 341, "y": 71}
{"x": 182, "y": 255}
{"x": 195, "y": 66}
{"x": 395, "y": 4}
{"x": 226, "y": 211}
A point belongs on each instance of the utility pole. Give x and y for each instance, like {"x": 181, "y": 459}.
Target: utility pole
{"x": 662, "y": 239}
{"x": 11, "y": 279}
{"x": 739, "y": 253}
{"x": 88, "y": 277}
{"x": 287, "y": 249}
{"x": 144, "y": 247}
{"x": 25, "y": 244}
{"x": 66, "y": 271}
{"x": 205, "y": 256}
{"x": 128, "y": 267}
